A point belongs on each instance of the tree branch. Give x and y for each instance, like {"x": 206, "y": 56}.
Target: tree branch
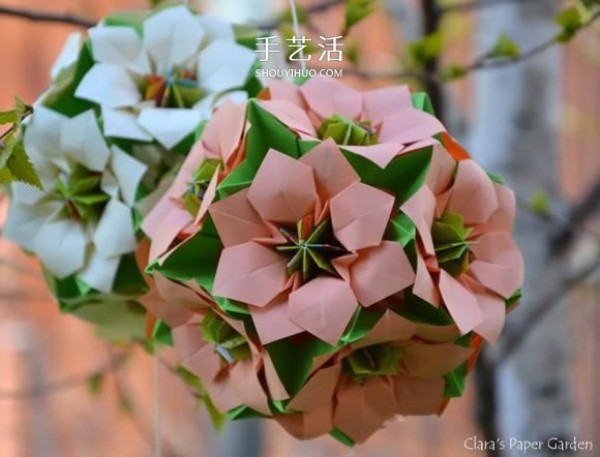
{"x": 113, "y": 364}
{"x": 41, "y": 16}
{"x": 469, "y": 6}
{"x": 532, "y": 315}
{"x": 579, "y": 214}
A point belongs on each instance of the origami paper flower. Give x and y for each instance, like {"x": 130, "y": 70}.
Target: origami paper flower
{"x": 82, "y": 222}
{"x": 467, "y": 259}
{"x": 160, "y": 82}
{"x": 217, "y": 350}
{"x": 186, "y": 201}
{"x": 379, "y": 124}
{"x": 387, "y": 373}
{"x": 304, "y": 245}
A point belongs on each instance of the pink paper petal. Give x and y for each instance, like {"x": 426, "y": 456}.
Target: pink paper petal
{"x": 409, "y": 126}
{"x": 272, "y": 322}
{"x": 283, "y": 90}
{"x": 473, "y": 194}
{"x": 420, "y": 208}
{"x": 223, "y": 394}
{"x": 333, "y": 173}
{"x": 309, "y": 425}
{"x": 441, "y": 170}
{"x": 323, "y": 307}
{"x": 209, "y": 196}
{"x": 342, "y": 265}
{"x": 291, "y": 115}
{"x": 250, "y": 273}
{"x": 424, "y": 287}
{"x": 438, "y": 333}
{"x": 418, "y": 397}
{"x": 326, "y": 97}
{"x": 391, "y": 327}
{"x": 380, "y": 154}
{"x": 244, "y": 379}
{"x": 380, "y": 272}
{"x": 433, "y": 360}
{"x": 499, "y": 263}
{"x": 359, "y": 215}
{"x": 363, "y": 408}
{"x": 318, "y": 390}
{"x": 493, "y": 312}
{"x": 284, "y": 189}
{"x": 382, "y": 103}
{"x": 461, "y": 303}
{"x": 236, "y": 219}
{"x": 276, "y": 389}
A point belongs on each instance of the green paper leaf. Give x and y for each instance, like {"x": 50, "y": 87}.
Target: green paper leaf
{"x": 401, "y": 229}
{"x": 453, "y": 72}
{"x": 162, "y": 333}
{"x": 362, "y": 323}
{"x": 419, "y": 311}
{"x": 376, "y": 360}
{"x": 421, "y": 100}
{"x": 342, "y": 438}
{"x": 456, "y": 382}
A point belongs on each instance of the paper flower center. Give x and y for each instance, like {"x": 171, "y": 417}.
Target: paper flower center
{"x": 310, "y": 248}
{"x": 348, "y": 132}
{"x": 229, "y": 344}
{"x": 197, "y": 187}
{"x": 177, "y": 89}
{"x": 81, "y": 194}
{"x": 452, "y": 243}
{"x": 376, "y": 360}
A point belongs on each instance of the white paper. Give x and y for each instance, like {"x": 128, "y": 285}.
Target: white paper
{"x": 109, "y": 85}
{"x": 100, "y": 272}
{"x": 129, "y": 173}
{"x": 82, "y": 140}
{"x": 169, "y": 125}
{"x": 114, "y": 235}
{"x": 172, "y": 36}
{"x": 68, "y": 54}
{"x": 119, "y": 46}
{"x": 123, "y": 124}
{"x": 224, "y": 65}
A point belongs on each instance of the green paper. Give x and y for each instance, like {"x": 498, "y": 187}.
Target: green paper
{"x": 362, "y": 323}
{"x": 347, "y": 132}
{"x": 342, "y": 437}
{"x": 456, "y": 382}
{"x": 162, "y": 333}
{"x": 401, "y": 229}
{"x": 421, "y": 101}
{"x": 294, "y": 371}
{"x": 377, "y": 360}
{"x": 218, "y": 332}
{"x": 419, "y": 311}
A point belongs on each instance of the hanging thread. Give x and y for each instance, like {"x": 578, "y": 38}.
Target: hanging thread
{"x": 296, "y": 26}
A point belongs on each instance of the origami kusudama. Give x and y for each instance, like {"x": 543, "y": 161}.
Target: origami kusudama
{"x": 331, "y": 259}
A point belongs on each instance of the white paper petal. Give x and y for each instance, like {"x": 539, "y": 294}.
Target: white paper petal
{"x": 23, "y": 222}
{"x": 223, "y": 65}
{"x": 129, "y": 173}
{"x": 123, "y": 124}
{"x": 119, "y": 46}
{"x": 100, "y": 272}
{"x": 171, "y": 37}
{"x": 82, "y": 140}
{"x": 216, "y": 28}
{"x": 169, "y": 125}
{"x": 68, "y": 54}
{"x": 42, "y": 134}
{"x": 109, "y": 184}
{"x": 114, "y": 235}
{"x": 61, "y": 244}
{"x": 109, "y": 85}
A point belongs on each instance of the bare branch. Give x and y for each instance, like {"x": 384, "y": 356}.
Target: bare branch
{"x": 114, "y": 363}
{"x": 469, "y": 6}
{"x": 41, "y": 16}
{"x": 533, "y": 314}
{"x": 579, "y": 214}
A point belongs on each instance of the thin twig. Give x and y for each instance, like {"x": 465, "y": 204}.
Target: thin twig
{"x": 67, "y": 383}
{"x": 469, "y": 6}
{"x": 42, "y": 16}
{"x": 533, "y": 314}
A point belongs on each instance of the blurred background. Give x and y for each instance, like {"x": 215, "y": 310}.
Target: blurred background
{"x": 533, "y": 118}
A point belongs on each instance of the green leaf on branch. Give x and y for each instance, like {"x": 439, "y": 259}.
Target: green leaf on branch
{"x": 356, "y": 11}
{"x": 540, "y": 203}
{"x": 570, "y": 21}
{"x": 14, "y": 163}
{"x": 95, "y": 382}
{"x": 426, "y": 49}
{"x": 454, "y": 71}
{"x": 504, "y": 47}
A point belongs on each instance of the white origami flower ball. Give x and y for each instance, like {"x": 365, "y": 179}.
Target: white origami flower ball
{"x": 160, "y": 84}
{"x": 82, "y": 222}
